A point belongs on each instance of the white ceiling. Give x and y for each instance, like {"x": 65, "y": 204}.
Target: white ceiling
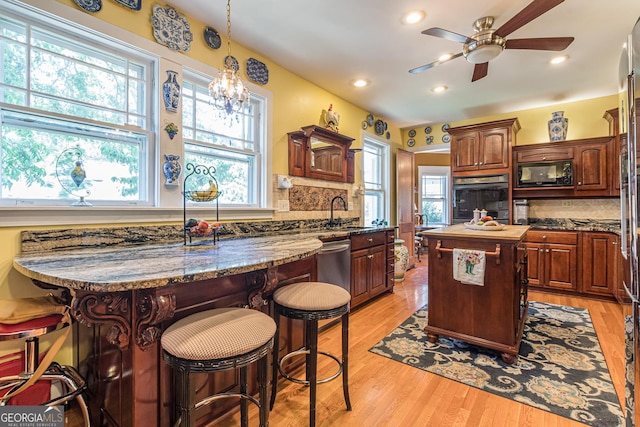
{"x": 333, "y": 42}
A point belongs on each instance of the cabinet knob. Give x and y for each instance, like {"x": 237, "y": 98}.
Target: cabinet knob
{"x": 480, "y": 162}
{"x": 615, "y": 243}
{"x": 547, "y": 250}
{"x": 369, "y": 240}
{"x": 544, "y": 157}
{"x": 369, "y": 256}
{"x": 544, "y": 237}
{"x": 475, "y": 164}
{"x": 579, "y": 182}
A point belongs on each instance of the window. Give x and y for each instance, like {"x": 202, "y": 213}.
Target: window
{"x": 376, "y": 180}
{"x": 433, "y": 188}
{"x": 68, "y": 101}
{"x": 233, "y": 146}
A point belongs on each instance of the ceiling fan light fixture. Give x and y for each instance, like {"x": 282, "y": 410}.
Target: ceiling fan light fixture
{"x": 413, "y": 17}
{"x": 483, "y": 48}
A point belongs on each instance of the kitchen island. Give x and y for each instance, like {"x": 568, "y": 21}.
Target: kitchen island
{"x": 126, "y": 295}
{"x": 490, "y": 314}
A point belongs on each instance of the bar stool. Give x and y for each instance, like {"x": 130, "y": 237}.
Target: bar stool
{"x": 218, "y": 340}
{"x": 311, "y": 302}
{"x": 73, "y": 385}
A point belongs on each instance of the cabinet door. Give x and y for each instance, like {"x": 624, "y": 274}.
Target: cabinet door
{"x": 494, "y": 149}
{"x": 359, "y": 276}
{"x": 591, "y": 167}
{"x": 297, "y": 154}
{"x": 561, "y": 266}
{"x": 464, "y": 151}
{"x": 377, "y": 258}
{"x": 598, "y": 263}
{"x": 535, "y": 254}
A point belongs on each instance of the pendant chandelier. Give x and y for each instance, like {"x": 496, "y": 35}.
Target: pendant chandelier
{"x": 227, "y": 92}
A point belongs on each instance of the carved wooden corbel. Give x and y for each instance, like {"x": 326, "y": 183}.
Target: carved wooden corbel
{"x": 152, "y": 307}
{"x": 90, "y": 309}
{"x": 259, "y": 284}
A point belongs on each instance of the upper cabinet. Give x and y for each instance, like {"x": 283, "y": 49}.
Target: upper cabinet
{"x": 316, "y": 152}
{"x": 483, "y": 148}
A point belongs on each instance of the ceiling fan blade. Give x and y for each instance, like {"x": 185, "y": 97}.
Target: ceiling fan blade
{"x": 526, "y": 15}
{"x": 446, "y": 34}
{"x": 548, "y": 43}
{"x": 480, "y": 71}
{"x": 433, "y": 64}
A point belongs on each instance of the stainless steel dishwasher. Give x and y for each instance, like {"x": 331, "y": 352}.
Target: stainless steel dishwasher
{"x": 334, "y": 263}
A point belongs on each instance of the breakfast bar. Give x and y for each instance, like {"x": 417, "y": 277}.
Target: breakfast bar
{"x": 488, "y": 310}
{"x": 126, "y": 295}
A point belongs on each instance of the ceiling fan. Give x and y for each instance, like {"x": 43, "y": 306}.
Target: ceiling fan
{"x": 486, "y": 43}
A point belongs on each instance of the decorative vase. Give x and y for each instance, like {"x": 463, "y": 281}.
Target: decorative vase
{"x": 171, "y": 92}
{"x": 172, "y": 168}
{"x": 401, "y": 256}
{"x": 558, "y": 126}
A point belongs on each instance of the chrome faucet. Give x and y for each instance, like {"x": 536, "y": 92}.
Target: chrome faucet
{"x": 332, "y": 221}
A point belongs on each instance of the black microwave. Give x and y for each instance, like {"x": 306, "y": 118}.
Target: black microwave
{"x": 545, "y": 174}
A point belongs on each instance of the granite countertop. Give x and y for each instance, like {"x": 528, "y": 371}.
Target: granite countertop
{"x": 572, "y": 224}
{"x": 88, "y": 264}
{"x": 509, "y": 232}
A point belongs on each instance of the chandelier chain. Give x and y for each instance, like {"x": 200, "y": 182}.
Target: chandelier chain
{"x": 229, "y": 28}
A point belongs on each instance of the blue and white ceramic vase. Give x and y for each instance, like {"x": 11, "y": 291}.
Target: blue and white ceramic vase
{"x": 401, "y": 256}
{"x": 171, "y": 92}
{"x": 172, "y": 169}
{"x": 558, "y": 126}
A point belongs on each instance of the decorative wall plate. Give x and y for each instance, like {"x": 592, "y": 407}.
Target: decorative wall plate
{"x": 370, "y": 119}
{"x": 427, "y": 130}
{"x": 411, "y": 142}
{"x": 171, "y": 29}
{"x": 257, "y": 71}
{"x": 91, "y": 6}
{"x": 212, "y": 38}
{"x": 446, "y": 138}
{"x": 445, "y": 127}
{"x": 412, "y": 133}
{"x": 429, "y": 139}
{"x": 388, "y": 135}
{"x": 231, "y": 62}
{"x": 365, "y": 124}
{"x": 131, "y": 4}
{"x": 379, "y": 126}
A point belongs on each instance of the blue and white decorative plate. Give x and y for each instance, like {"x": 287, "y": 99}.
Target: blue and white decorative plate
{"x": 131, "y": 4}
{"x": 171, "y": 29}
{"x": 446, "y": 137}
{"x": 379, "y": 127}
{"x": 257, "y": 71}
{"x": 92, "y": 6}
{"x": 411, "y": 142}
{"x": 427, "y": 130}
{"x": 429, "y": 139}
{"x": 412, "y": 133}
{"x": 231, "y": 62}
{"x": 212, "y": 38}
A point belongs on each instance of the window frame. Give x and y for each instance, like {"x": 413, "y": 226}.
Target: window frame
{"x": 383, "y": 193}
{"x": 445, "y": 173}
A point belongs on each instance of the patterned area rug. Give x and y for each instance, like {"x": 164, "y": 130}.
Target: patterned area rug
{"x": 560, "y": 367}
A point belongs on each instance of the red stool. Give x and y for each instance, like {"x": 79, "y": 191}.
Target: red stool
{"x": 73, "y": 384}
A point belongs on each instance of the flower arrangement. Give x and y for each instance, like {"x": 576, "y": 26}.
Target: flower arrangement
{"x": 470, "y": 259}
{"x": 171, "y": 129}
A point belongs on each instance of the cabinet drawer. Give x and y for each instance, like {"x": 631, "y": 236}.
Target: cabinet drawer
{"x": 367, "y": 240}
{"x": 544, "y": 154}
{"x": 543, "y": 236}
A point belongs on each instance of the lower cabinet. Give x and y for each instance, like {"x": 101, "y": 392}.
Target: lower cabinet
{"x": 599, "y": 263}
{"x": 553, "y": 257}
{"x": 369, "y": 265}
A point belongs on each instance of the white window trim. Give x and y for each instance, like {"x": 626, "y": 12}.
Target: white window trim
{"x": 29, "y": 216}
{"x": 386, "y": 170}
{"x": 435, "y": 170}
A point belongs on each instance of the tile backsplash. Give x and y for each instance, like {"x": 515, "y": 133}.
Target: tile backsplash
{"x": 608, "y": 208}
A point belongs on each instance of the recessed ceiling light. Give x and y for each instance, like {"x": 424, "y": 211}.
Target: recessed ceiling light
{"x": 413, "y": 17}
{"x": 444, "y": 57}
{"x": 559, "y": 59}
{"x": 439, "y": 89}
{"x": 360, "y": 83}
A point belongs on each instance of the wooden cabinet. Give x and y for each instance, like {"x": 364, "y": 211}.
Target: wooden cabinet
{"x": 599, "y": 263}
{"x": 591, "y": 171}
{"x": 553, "y": 257}
{"x": 613, "y": 118}
{"x": 316, "y": 152}
{"x": 483, "y": 148}
{"x": 369, "y": 266}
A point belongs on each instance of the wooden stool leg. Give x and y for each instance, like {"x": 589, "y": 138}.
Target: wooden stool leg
{"x": 244, "y": 404}
{"x": 312, "y": 368}
{"x": 263, "y": 367}
{"x": 275, "y": 359}
{"x": 345, "y": 359}
{"x": 185, "y": 398}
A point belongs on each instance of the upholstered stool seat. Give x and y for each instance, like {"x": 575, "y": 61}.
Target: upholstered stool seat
{"x": 217, "y": 340}
{"x": 73, "y": 385}
{"x": 311, "y": 302}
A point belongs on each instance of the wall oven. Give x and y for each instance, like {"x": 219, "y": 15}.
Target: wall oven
{"x": 490, "y": 192}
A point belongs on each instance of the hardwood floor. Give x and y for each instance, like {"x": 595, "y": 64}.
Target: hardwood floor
{"x": 387, "y": 393}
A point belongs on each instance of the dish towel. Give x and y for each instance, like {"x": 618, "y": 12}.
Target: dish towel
{"x": 468, "y": 266}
